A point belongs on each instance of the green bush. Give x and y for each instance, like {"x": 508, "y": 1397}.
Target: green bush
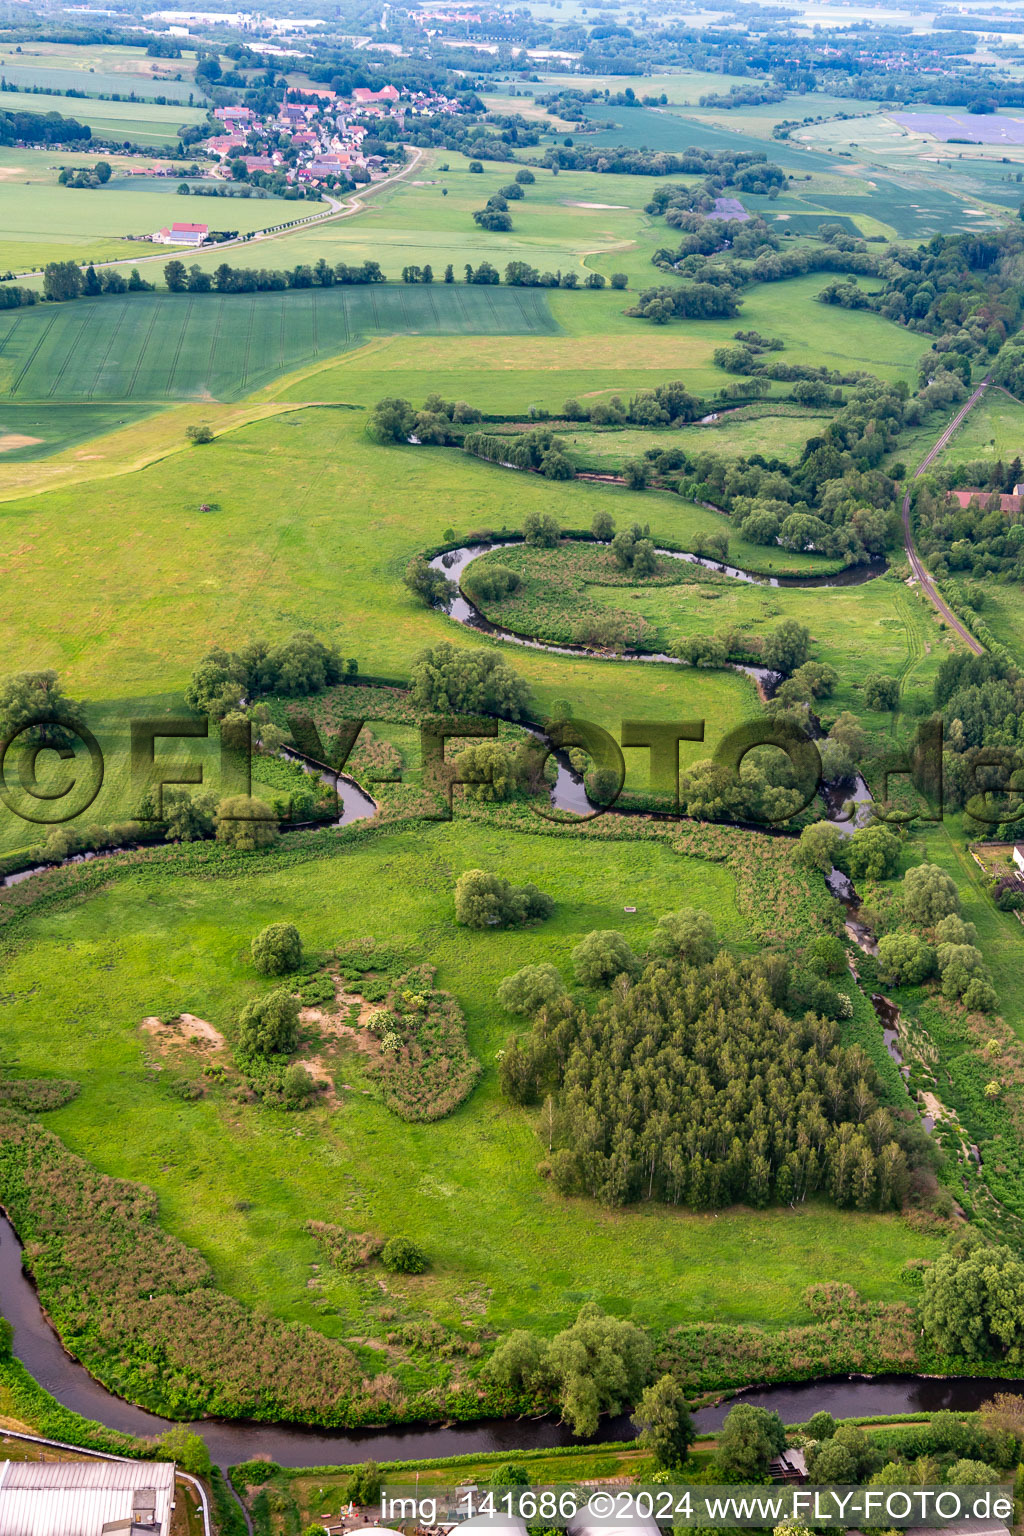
{"x": 277, "y": 949}
{"x": 403, "y": 1257}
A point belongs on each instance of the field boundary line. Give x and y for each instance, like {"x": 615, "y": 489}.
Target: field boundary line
{"x": 16, "y": 383}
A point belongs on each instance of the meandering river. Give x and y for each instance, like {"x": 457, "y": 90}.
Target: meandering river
{"x": 36, "y": 1343}
{"x": 41, "y": 1352}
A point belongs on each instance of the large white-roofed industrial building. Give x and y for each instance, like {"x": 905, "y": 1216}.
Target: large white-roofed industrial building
{"x": 86, "y": 1498}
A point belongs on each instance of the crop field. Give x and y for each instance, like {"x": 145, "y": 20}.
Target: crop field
{"x": 682, "y": 87}
{"x": 143, "y": 87}
{"x": 918, "y": 177}
{"x": 54, "y": 223}
{"x": 602, "y": 351}
{"x": 116, "y": 122}
{"x": 116, "y": 61}
{"x": 229, "y": 1179}
{"x": 220, "y": 346}
{"x": 758, "y": 121}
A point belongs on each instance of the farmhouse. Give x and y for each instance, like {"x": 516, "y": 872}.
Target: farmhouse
{"x": 988, "y": 500}
{"x": 1018, "y": 857}
{"x": 86, "y": 1498}
{"x": 182, "y": 234}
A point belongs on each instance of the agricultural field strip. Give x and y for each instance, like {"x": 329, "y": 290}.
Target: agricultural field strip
{"x": 68, "y": 352}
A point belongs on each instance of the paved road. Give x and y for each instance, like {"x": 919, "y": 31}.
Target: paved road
{"x": 338, "y": 210}
{"x": 916, "y": 565}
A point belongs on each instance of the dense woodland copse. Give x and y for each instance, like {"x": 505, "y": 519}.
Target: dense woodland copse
{"x": 694, "y": 1086}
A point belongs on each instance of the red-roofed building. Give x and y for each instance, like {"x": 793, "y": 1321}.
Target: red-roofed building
{"x": 182, "y": 234}
{"x": 361, "y": 97}
{"x": 234, "y": 114}
{"x": 258, "y": 163}
{"x": 1008, "y": 504}
{"x": 224, "y": 144}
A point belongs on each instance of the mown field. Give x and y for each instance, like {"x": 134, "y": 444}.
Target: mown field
{"x": 55, "y": 223}
{"x": 240, "y": 1181}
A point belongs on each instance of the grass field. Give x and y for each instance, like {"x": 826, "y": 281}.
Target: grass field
{"x": 429, "y": 218}
{"x": 181, "y": 346}
{"x": 84, "y": 65}
{"x": 144, "y": 87}
{"x": 312, "y": 526}
{"x": 993, "y": 430}
{"x": 239, "y": 1182}
{"x": 34, "y": 431}
{"x": 173, "y": 347}
{"x": 779, "y": 435}
{"x": 604, "y": 352}
{"x": 137, "y": 122}
{"x": 877, "y": 627}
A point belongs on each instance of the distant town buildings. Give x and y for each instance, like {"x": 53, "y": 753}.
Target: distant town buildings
{"x": 319, "y": 137}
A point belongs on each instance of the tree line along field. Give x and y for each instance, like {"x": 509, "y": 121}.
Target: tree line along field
{"x": 240, "y": 1181}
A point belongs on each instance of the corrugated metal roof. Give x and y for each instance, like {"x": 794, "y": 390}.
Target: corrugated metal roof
{"x": 77, "y": 1498}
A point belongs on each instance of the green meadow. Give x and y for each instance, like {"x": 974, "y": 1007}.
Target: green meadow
{"x": 240, "y": 1181}
{"x": 751, "y": 429}
{"x": 293, "y": 519}
{"x": 601, "y": 351}
{"x": 55, "y": 223}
